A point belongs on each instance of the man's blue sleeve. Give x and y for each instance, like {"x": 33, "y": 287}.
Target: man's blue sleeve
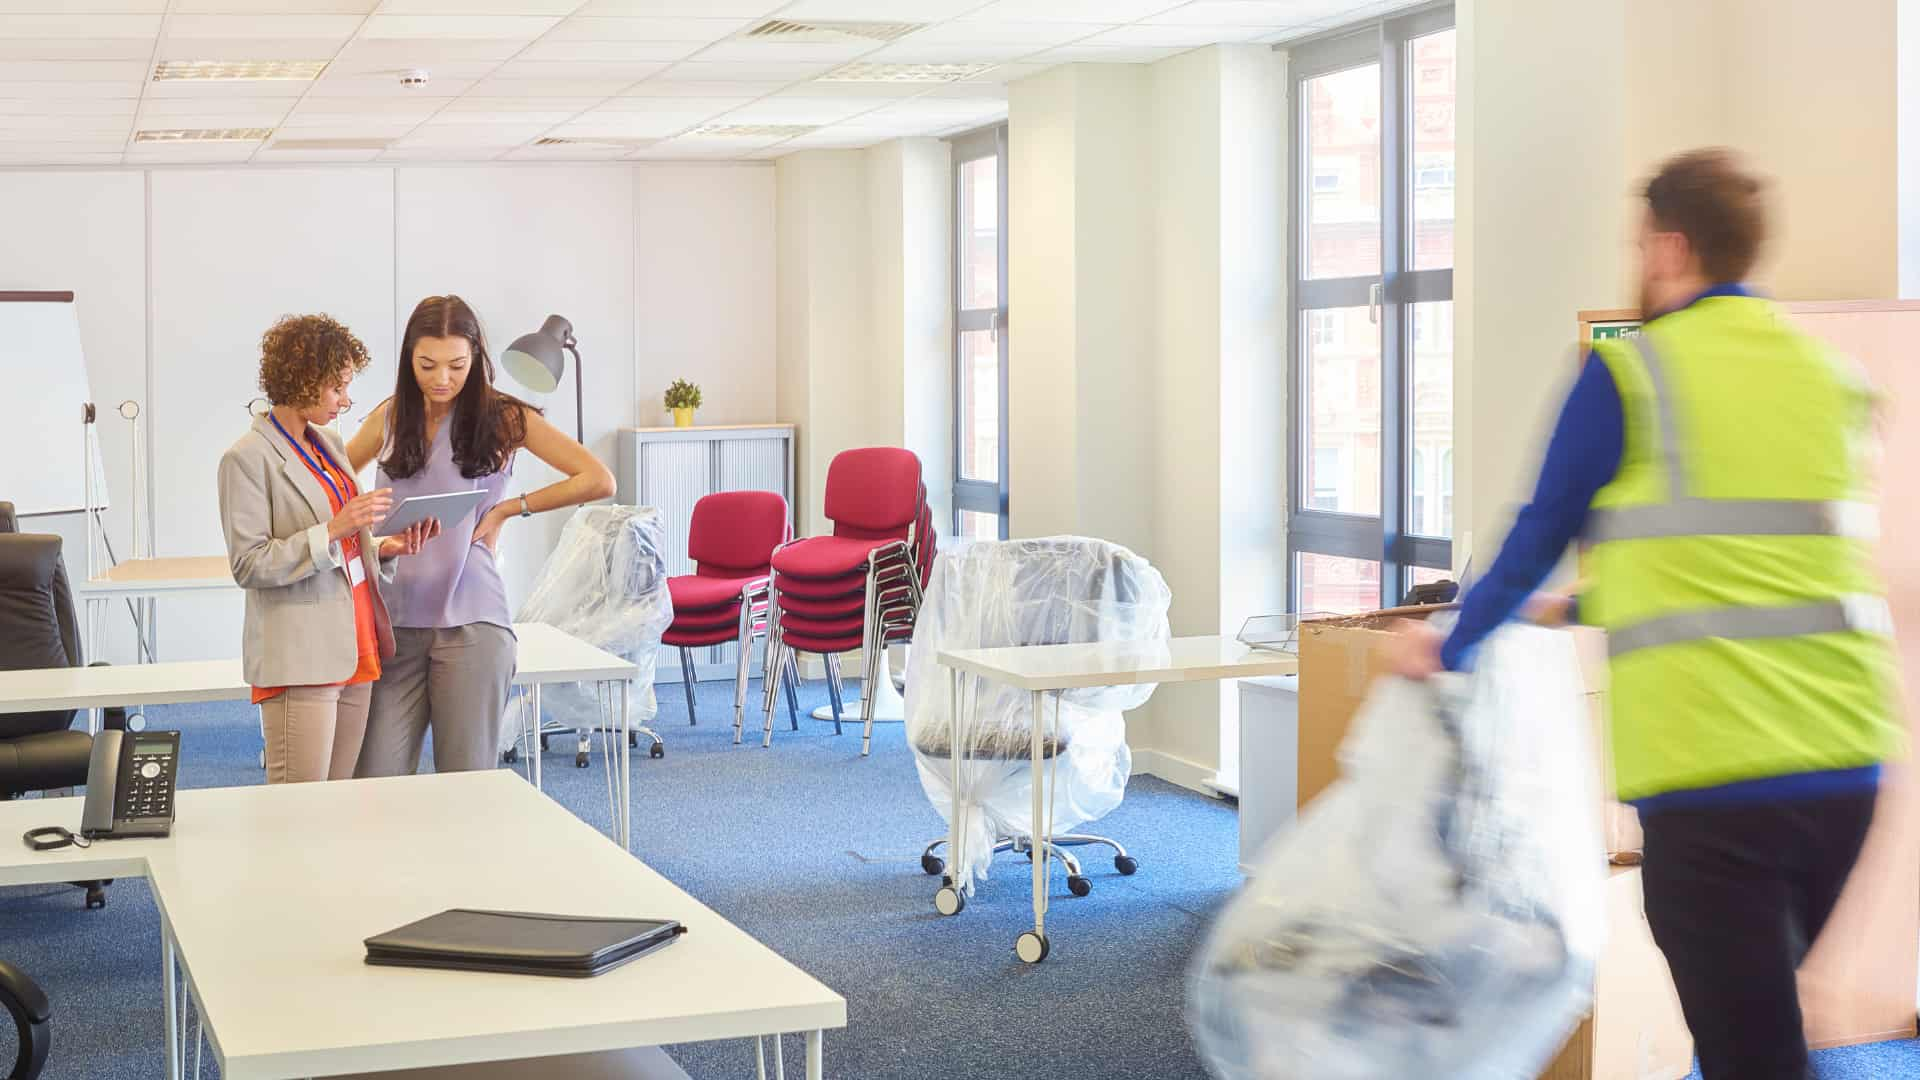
{"x": 1582, "y": 457}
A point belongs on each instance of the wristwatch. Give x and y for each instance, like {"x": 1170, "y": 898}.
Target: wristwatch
{"x": 525, "y": 510}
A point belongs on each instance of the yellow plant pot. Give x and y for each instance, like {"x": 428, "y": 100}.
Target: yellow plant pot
{"x": 683, "y": 416}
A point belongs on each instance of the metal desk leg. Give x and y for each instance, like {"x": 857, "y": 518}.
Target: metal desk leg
{"x": 172, "y": 1006}
{"x": 1031, "y": 946}
{"x": 533, "y": 749}
{"x": 759, "y": 1057}
{"x": 779, "y": 1058}
{"x": 949, "y": 900}
{"x": 816, "y": 1069}
{"x": 626, "y": 765}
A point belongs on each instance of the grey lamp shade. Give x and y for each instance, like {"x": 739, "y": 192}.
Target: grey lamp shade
{"x": 537, "y": 360}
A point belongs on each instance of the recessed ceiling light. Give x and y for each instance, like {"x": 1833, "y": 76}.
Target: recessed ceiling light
{"x": 614, "y": 141}
{"x": 782, "y": 131}
{"x": 171, "y": 135}
{"x": 239, "y": 70}
{"x": 905, "y": 73}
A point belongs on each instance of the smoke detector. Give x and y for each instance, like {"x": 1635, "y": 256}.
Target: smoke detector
{"x": 415, "y": 77}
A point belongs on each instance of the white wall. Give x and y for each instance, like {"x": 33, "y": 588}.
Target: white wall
{"x": 664, "y": 270}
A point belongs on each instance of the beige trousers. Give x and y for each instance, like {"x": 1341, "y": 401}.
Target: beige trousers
{"x": 314, "y": 732}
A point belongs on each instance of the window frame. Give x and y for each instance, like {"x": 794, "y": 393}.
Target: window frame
{"x": 1392, "y": 293}
{"x": 969, "y": 494}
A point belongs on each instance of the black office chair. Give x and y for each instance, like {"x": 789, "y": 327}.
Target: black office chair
{"x": 38, "y": 750}
{"x": 32, "y": 1016}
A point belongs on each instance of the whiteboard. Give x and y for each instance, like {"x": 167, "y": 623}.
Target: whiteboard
{"x": 43, "y": 380}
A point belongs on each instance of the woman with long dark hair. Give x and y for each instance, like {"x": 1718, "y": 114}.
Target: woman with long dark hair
{"x": 447, "y": 428}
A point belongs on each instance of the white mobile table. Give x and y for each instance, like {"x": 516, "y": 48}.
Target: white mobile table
{"x": 266, "y": 895}
{"x": 546, "y": 655}
{"x": 1051, "y": 669}
{"x": 141, "y": 582}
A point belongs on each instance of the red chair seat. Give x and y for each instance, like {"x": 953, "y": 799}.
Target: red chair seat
{"x": 826, "y": 556}
{"x": 717, "y": 619}
{"x": 826, "y": 589}
{"x": 694, "y": 639}
{"x": 837, "y": 608}
{"x": 820, "y": 628}
{"x": 695, "y": 592}
{"x": 821, "y": 646}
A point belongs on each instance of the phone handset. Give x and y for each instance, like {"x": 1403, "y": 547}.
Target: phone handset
{"x": 130, "y": 784}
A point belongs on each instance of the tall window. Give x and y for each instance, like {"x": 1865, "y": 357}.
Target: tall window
{"x": 1372, "y": 350}
{"x": 980, "y": 335}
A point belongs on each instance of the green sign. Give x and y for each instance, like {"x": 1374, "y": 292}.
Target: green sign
{"x": 1608, "y": 331}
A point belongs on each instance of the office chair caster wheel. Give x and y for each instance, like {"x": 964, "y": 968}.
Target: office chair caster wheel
{"x": 1078, "y": 885}
{"x": 948, "y": 901}
{"x": 1126, "y": 864}
{"x": 1031, "y": 948}
{"x": 96, "y": 898}
{"x": 659, "y": 750}
{"x": 511, "y": 755}
{"x": 932, "y": 864}
{"x": 580, "y": 760}
{"x": 543, "y": 742}
{"x": 633, "y": 741}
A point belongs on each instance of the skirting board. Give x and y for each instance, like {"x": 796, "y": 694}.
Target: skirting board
{"x": 1176, "y": 770}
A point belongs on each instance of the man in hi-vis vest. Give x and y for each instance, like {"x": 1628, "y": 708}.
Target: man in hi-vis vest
{"x": 1716, "y": 465}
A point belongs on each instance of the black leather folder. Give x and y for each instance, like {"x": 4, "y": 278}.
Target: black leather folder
{"x": 521, "y": 943}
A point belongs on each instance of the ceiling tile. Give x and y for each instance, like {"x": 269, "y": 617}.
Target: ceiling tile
{"x": 906, "y": 52}
{"x": 548, "y": 117}
{"x": 567, "y": 153}
{"x": 854, "y": 90}
{"x": 368, "y": 70}
{"x": 338, "y": 111}
{"x": 1246, "y": 13}
{"x": 211, "y": 90}
{"x": 84, "y": 7}
{"x": 693, "y": 88}
{"x": 494, "y": 27}
{"x": 887, "y": 10}
{"x": 271, "y": 154}
{"x": 374, "y": 129}
{"x": 333, "y": 28}
{"x": 95, "y": 130}
{"x": 439, "y": 153}
{"x": 700, "y": 108}
{"x": 701, "y": 71}
{"x": 594, "y": 88}
{"x": 57, "y": 107}
{"x": 71, "y": 70}
{"x": 271, "y": 7}
{"x": 174, "y": 48}
{"x": 1084, "y": 11}
{"x": 782, "y": 110}
{"x": 1036, "y": 35}
{"x": 631, "y": 125}
{"x": 497, "y": 135}
{"x": 611, "y": 51}
{"x": 59, "y": 158}
{"x": 1106, "y": 54}
{"x": 122, "y": 89}
{"x": 1177, "y": 37}
{"x": 625, "y": 72}
{"x": 189, "y": 153}
{"x": 208, "y": 121}
{"x": 718, "y": 9}
{"x": 786, "y": 51}
{"x": 79, "y": 26}
{"x": 479, "y": 7}
{"x": 1291, "y": 33}
{"x": 475, "y": 103}
{"x": 75, "y": 49}
{"x": 419, "y": 52}
{"x": 646, "y": 29}
{"x": 1006, "y": 73}
{"x": 152, "y": 107}
{"x": 387, "y": 87}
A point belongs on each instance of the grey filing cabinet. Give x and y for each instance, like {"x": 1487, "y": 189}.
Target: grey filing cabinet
{"x": 671, "y": 468}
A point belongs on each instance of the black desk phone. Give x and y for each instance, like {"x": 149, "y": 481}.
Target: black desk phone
{"x": 130, "y": 782}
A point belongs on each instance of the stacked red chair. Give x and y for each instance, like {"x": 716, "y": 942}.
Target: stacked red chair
{"x": 860, "y": 588}
{"x": 731, "y": 540}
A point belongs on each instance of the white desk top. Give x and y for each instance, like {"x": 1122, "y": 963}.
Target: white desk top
{"x": 144, "y": 577}
{"x": 545, "y": 655}
{"x": 270, "y": 892}
{"x": 1071, "y": 667}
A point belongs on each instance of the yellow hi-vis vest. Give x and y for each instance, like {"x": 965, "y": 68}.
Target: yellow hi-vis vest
{"x": 1732, "y": 557}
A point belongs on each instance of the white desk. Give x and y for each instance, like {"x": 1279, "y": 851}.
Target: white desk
{"x": 546, "y": 655}
{"x": 1050, "y": 669}
{"x": 267, "y": 893}
{"x": 140, "y": 581}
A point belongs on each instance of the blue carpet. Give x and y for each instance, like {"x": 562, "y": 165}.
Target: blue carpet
{"x": 816, "y": 852}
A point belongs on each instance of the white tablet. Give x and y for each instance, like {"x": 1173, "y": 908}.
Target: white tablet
{"x": 449, "y": 508}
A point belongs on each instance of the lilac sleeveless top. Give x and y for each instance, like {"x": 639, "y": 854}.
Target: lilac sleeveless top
{"x": 452, "y": 581}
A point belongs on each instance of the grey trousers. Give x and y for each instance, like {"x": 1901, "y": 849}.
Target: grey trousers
{"x": 454, "y": 681}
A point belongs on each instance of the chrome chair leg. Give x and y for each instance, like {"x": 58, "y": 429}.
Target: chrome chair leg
{"x": 686, "y": 678}
{"x": 793, "y": 701}
{"x": 743, "y": 661}
{"x": 833, "y": 689}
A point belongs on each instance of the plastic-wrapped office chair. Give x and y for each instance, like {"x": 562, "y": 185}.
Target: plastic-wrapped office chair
{"x": 1056, "y": 590}
{"x": 606, "y": 584}
{"x": 858, "y": 588}
{"x": 731, "y": 541}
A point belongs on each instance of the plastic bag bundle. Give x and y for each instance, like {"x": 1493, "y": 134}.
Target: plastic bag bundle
{"x": 606, "y": 584}
{"x": 1439, "y": 911}
{"x": 1026, "y": 592}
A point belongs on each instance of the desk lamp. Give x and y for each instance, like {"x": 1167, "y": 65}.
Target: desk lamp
{"x": 537, "y": 361}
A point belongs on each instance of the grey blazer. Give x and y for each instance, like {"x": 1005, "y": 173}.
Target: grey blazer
{"x": 299, "y": 627}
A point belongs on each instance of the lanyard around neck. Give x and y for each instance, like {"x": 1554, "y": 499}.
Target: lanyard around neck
{"x": 325, "y": 475}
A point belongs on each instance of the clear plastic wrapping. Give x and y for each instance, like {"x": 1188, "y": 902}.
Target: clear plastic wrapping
{"x": 606, "y": 584}
{"x": 1440, "y": 910}
{"x": 1048, "y": 591}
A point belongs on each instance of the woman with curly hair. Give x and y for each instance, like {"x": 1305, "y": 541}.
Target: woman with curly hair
{"x": 300, "y": 542}
{"x": 447, "y": 428}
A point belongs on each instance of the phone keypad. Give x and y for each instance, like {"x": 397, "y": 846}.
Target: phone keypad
{"x": 151, "y": 792}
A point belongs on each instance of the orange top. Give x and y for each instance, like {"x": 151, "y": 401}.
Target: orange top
{"x": 364, "y": 632}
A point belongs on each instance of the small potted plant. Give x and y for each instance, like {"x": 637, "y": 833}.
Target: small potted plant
{"x": 683, "y": 397}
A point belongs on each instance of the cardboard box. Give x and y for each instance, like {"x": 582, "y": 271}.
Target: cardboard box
{"x": 1636, "y": 1030}
{"x": 1340, "y": 658}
